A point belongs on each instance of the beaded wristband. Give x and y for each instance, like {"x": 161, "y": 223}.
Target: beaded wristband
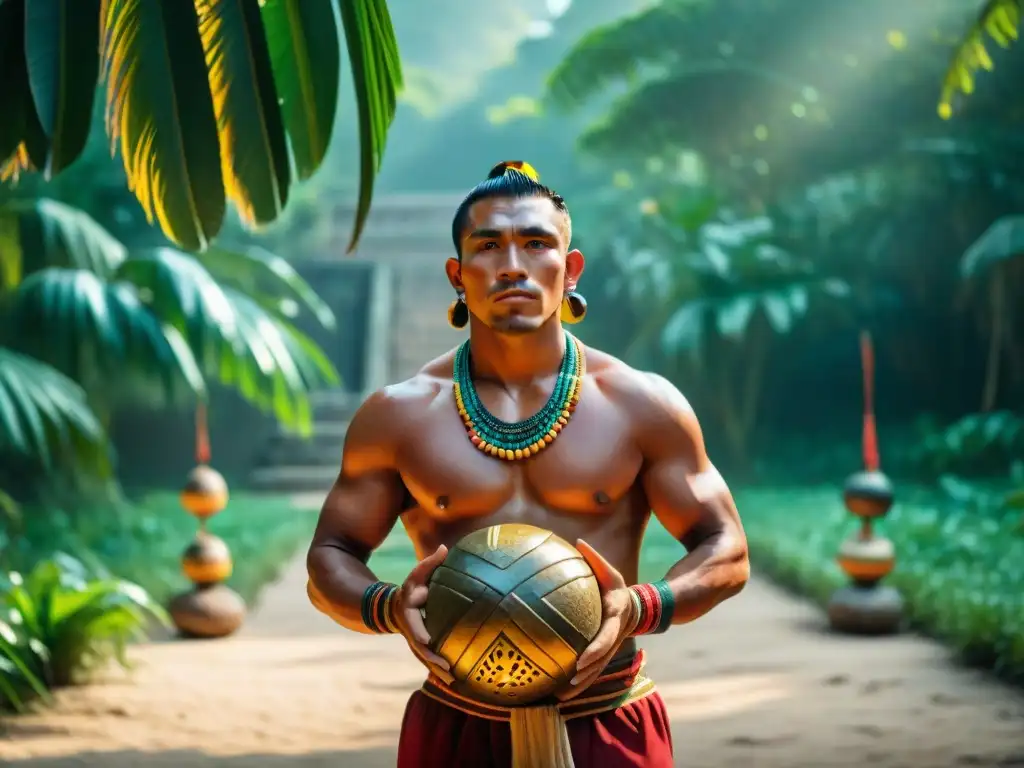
{"x": 376, "y": 608}
{"x": 656, "y": 606}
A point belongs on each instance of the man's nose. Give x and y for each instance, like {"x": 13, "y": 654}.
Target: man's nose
{"x": 512, "y": 268}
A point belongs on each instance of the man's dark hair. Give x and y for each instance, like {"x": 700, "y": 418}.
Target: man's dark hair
{"x": 511, "y": 178}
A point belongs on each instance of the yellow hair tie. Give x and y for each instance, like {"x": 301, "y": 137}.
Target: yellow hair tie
{"x": 515, "y": 165}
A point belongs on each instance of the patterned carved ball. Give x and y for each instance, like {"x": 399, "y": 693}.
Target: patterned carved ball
{"x": 510, "y": 609}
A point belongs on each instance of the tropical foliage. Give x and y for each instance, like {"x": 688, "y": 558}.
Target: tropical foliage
{"x": 998, "y": 19}
{"x": 86, "y": 324}
{"x": 764, "y": 114}
{"x": 210, "y": 102}
{"x": 785, "y": 135}
{"x": 62, "y": 623}
{"x": 778, "y": 192}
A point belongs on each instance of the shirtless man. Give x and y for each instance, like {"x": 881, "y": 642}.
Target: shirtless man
{"x": 632, "y": 446}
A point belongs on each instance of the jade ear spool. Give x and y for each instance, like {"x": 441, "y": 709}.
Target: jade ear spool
{"x": 510, "y": 609}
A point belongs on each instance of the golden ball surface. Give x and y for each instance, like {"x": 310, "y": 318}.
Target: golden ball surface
{"x": 510, "y": 609}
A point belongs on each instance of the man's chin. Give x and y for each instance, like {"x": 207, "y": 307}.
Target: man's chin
{"x": 516, "y": 325}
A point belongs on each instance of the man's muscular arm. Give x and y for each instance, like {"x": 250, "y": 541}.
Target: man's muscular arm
{"x": 359, "y": 512}
{"x": 690, "y": 498}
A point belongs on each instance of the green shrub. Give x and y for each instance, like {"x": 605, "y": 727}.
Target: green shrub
{"x": 22, "y": 660}
{"x": 64, "y": 622}
{"x": 960, "y": 562}
{"x": 64, "y": 615}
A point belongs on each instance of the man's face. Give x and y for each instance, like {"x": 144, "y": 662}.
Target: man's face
{"x": 515, "y": 269}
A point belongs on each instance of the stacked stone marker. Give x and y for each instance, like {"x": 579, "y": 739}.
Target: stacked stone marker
{"x": 210, "y": 608}
{"x": 866, "y": 606}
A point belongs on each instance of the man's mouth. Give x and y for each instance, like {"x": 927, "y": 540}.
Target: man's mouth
{"x": 505, "y": 295}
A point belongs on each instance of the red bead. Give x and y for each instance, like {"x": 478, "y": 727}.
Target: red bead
{"x": 474, "y": 438}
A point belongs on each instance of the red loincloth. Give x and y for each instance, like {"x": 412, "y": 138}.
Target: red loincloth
{"x": 435, "y": 735}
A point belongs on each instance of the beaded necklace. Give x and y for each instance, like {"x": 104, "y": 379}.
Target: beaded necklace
{"x": 520, "y": 439}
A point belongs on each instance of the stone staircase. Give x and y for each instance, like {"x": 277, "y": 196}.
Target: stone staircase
{"x": 291, "y": 463}
{"x": 408, "y": 237}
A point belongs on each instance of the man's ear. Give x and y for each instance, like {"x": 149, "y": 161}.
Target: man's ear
{"x": 453, "y": 267}
{"x": 574, "y": 262}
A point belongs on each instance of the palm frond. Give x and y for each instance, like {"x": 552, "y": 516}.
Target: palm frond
{"x": 616, "y": 52}
{"x": 275, "y": 369}
{"x": 377, "y": 75}
{"x": 160, "y": 109}
{"x": 180, "y": 292}
{"x": 89, "y": 328}
{"x": 305, "y": 50}
{"x": 1001, "y": 242}
{"x": 237, "y": 341}
{"x": 23, "y": 142}
{"x": 253, "y": 148}
{"x": 44, "y": 414}
{"x": 270, "y": 280}
{"x": 62, "y": 55}
{"x": 40, "y": 233}
{"x": 1000, "y": 20}
{"x": 659, "y": 113}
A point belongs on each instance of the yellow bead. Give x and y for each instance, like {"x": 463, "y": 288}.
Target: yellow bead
{"x": 501, "y": 453}
{"x": 552, "y": 434}
{"x": 563, "y": 420}
{"x": 519, "y": 453}
{"x": 482, "y": 446}
{"x": 565, "y": 414}
{"x": 492, "y": 450}
{"x": 527, "y": 451}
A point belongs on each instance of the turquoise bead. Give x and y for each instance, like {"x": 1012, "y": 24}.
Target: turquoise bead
{"x": 521, "y": 434}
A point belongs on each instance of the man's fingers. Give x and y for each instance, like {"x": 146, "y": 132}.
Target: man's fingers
{"x": 417, "y": 596}
{"x": 429, "y": 656}
{"x": 608, "y": 576}
{"x": 583, "y": 681}
{"x": 421, "y": 572}
{"x": 600, "y": 646}
{"x": 414, "y": 623}
{"x": 434, "y": 663}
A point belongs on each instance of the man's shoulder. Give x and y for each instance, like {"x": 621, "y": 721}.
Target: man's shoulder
{"x": 404, "y": 398}
{"x": 640, "y": 393}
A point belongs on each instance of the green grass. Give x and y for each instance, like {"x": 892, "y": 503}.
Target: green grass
{"x": 143, "y": 541}
{"x": 960, "y": 565}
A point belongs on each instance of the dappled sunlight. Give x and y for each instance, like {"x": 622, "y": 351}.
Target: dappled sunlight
{"x": 720, "y": 696}
{"x": 756, "y": 184}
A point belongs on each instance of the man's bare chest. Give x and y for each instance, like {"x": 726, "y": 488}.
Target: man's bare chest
{"x": 592, "y": 464}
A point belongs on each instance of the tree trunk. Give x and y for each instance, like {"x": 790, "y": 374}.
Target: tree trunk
{"x": 997, "y": 296}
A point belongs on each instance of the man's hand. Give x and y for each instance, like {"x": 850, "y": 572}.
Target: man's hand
{"x": 411, "y": 598}
{"x": 619, "y": 619}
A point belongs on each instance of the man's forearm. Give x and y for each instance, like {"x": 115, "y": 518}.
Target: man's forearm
{"x": 338, "y": 578}
{"x": 713, "y": 571}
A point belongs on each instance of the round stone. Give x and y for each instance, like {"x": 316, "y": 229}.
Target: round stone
{"x": 207, "y": 611}
{"x": 862, "y": 610}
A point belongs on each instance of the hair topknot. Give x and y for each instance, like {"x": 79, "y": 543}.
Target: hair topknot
{"x": 509, "y": 178}
{"x": 521, "y": 166}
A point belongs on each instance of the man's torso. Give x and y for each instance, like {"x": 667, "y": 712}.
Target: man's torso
{"x": 585, "y": 484}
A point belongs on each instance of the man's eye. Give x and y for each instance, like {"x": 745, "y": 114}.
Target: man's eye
{"x": 535, "y": 244}
{"x": 488, "y": 245}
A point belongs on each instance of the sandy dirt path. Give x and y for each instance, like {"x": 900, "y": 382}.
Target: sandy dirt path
{"x": 756, "y": 683}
